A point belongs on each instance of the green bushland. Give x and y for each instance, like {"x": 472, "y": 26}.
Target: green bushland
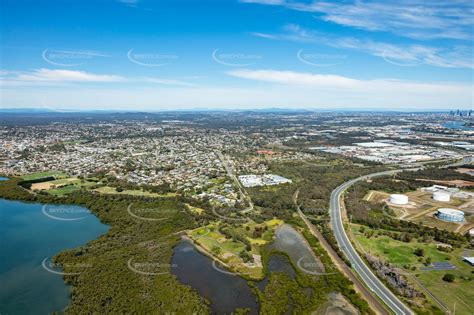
{"x": 305, "y": 293}
{"x": 376, "y": 214}
{"x": 134, "y": 192}
{"x": 315, "y": 181}
{"x": 412, "y": 256}
{"x": 106, "y": 284}
{"x": 395, "y": 240}
{"x": 28, "y": 183}
{"x": 130, "y": 238}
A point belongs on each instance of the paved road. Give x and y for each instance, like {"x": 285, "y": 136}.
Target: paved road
{"x": 364, "y": 272}
{"x": 374, "y": 303}
{"x": 230, "y": 172}
{"x": 464, "y": 161}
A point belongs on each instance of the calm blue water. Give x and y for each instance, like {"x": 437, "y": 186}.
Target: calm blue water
{"x": 288, "y": 240}
{"x": 225, "y": 292}
{"x": 27, "y": 236}
{"x": 457, "y": 125}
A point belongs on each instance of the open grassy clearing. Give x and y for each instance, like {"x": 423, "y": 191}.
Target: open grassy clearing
{"x": 431, "y": 220}
{"x": 421, "y": 209}
{"x": 57, "y": 183}
{"x": 65, "y": 185}
{"x": 209, "y": 238}
{"x": 112, "y": 190}
{"x": 39, "y": 175}
{"x": 376, "y": 196}
{"x": 195, "y": 209}
{"x": 62, "y": 187}
{"x": 62, "y": 191}
{"x": 457, "y": 295}
{"x": 228, "y": 250}
{"x": 225, "y": 250}
{"x": 402, "y": 255}
{"x": 267, "y": 235}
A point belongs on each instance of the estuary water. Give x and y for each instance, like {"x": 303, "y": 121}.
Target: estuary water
{"x": 226, "y": 291}
{"x": 30, "y": 234}
{"x": 460, "y": 125}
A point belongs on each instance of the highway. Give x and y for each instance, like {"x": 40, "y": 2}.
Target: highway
{"x": 464, "y": 161}
{"x": 364, "y": 272}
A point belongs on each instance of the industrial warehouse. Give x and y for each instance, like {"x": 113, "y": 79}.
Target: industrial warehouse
{"x": 391, "y": 152}
{"x": 262, "y": 180}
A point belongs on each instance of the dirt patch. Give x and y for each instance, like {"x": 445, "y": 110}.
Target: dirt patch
{"x": 456, "y": 182}
{"x": 465, "y": 171}
{"x": 41, "y": 186}
{"x": 337, "y": 304}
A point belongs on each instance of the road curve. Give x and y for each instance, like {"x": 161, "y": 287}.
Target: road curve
{"x": 364, "y": 272}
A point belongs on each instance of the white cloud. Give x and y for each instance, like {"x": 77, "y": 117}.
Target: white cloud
{"x": 404, "y": 55}
{"x": 267, "y": 88}
{"x": 60, "y": 75}
{"x": 417, "y": 19}
{"x": 264, "y": 35}
{"x": 349, "y": 86}
{"x": 296, "y": 78}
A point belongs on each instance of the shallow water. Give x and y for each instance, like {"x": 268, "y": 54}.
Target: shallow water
{"x": 457, "y": 125}
{"x": 225, "y": 291}
{"x": 288, "y": 240}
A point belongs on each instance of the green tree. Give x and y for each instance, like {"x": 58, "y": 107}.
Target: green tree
{"x": 216, "y": 250}
{"x": 419, "y": 252}
{"x": 448, "y": 277}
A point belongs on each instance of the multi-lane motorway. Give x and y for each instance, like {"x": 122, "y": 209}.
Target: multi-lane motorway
{"x": 364, "y": 272}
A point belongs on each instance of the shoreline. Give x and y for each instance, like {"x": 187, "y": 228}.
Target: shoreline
{"x": 205, "y": 252}
{"x": 66, "y": 286}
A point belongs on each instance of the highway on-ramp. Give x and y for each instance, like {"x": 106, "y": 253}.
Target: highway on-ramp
{"x": 364, "y": 272}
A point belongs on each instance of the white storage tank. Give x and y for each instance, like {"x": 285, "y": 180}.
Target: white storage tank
{"x": 398, "y": 199}
{"x": 451, "y": 215}
{"x": 441, "y": 196}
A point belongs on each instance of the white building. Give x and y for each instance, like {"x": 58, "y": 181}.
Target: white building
{"x": 262, "y": 180}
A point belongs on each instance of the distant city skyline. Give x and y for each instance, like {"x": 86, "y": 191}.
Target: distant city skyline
{"x": 231, "y": 55}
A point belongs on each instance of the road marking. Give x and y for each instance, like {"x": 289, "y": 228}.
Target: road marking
{"x": 371, "y": 280}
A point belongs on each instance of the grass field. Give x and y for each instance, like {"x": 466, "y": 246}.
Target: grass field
{"x": 209, "y": 237}
{"x": 60, "y": 192}
{"x": 112, "y": 190}
{"x": 195, "y": 209}
{"x": 55, "y": 183}
{"x": 459, "y": 292}
{"x": 421, "y": 209}
{"x": 70, "y": 187}
{"x": 34, "y": 176}
{"x": 266, "y": 237}
{"x": 63, "y": 186}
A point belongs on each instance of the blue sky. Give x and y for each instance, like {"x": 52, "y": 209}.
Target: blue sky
{"x": 230, "y": 54}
